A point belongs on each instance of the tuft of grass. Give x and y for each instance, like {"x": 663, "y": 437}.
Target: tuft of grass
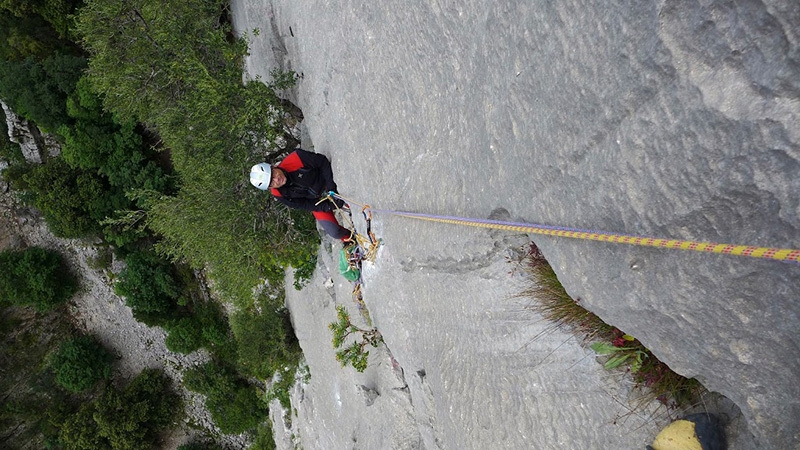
{"x": 653, "y": 378}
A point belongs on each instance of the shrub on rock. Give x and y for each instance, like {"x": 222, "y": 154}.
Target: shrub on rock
{"x": 79, "y": 363}
{"x": 35, "y": 277}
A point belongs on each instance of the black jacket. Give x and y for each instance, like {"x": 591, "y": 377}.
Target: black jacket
{"x": 309, "y": 177}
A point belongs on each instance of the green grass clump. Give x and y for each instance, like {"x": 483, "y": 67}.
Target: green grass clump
{"x": 651, "y": 376}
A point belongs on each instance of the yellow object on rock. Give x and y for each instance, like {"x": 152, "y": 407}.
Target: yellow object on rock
{"x": 679, "y": 435}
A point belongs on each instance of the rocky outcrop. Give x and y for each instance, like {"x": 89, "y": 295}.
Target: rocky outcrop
{"x": 34, "y": 144}
{"x": 668, "y": 119}
{"x": 3, "y": 183}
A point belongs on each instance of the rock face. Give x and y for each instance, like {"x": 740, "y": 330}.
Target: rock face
{"x": 3, "y": 183}
{"x": 666, "y": 119}
{"x": 32, "y": 142}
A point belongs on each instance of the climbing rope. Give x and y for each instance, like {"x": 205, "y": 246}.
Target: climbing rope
{"x": 780, "y": 254}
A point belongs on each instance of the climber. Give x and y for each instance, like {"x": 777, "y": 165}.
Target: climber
{"x": 300, "y": 181}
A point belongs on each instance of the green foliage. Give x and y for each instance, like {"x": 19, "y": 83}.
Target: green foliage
{"x": 182, "y": 73}
{"x": 551, "y": 300}
{"x": 149, "y": 287}
{"x": 185, "y": 336}
{"x": 38, "y": 90}
{"x": 32, "y": 401}
{"x": 35, "y": 277}
{"x": 28, "y": 35}
{"x": 80, "y": 431}
{"x": 304, "y": 270}
{"x": 281, "y": 384}
{"x": 203, "y": 324}
{"x": 79, "y": 363}
{"x": 72, "y": 201}
{"x": 234, "y": 405}
{"x": 55, "y": 12}
{"x": 264, "y": 439}
{"x": 265, "y": 340}
{"x": 161, "y": 58}
{"x": 620, "y": 355}
{"x": 97, "y": 140}
{"x": 127, "y": 419}
{"x": 354, "y": 353}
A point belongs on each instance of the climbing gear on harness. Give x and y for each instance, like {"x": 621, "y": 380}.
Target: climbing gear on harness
{"x": 350, "y": 262}
{"x": 355, "y": 249}
{"x": 780, "y": 254}
{"x": 261, "y": 175}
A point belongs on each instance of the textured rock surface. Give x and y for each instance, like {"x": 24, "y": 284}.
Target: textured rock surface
{"x": 31, "y": 141}
{"x": 667, "y": 119}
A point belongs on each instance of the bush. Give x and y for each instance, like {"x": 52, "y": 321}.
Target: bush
{"x": 265, "y": 342}
{"x": 72, "y": 201}
{"x": 265, "y": 439}
{"x": 130, "y": 419}
{"x": 234, "y": 405}
{"x": 38, "y": 90}
{"x": 185, "y": 335}
{"x": 35, "y": 277}
{"x": 149, "y": 287}
{"x": 79, "y": 363}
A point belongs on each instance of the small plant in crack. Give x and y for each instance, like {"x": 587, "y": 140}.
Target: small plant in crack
{"x": 354, "y": 353}
{"x": 620, "y": 350}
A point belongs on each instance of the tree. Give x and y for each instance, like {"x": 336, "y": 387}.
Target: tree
{"x": 35, "y": 277}
{"x": 127, "y": 419}
{"x": 185, "y": 335}
{"x": 266, "y": 342}
{"x": 144, "y": 61}
{"x": 264, "y": 439}
{"x": 149, "y": 287}
{"x": 80, "y": 431}
{"x": 72, "y": 201}
{"x": 38, "y": 90}
{"x": 115, "y": 148}
{"x": 56, "y": 12}
{"x": 25, "y": 33}
{"x": 79, "y": 363}
{"x": 233, "y": 404}
{"x": 353, "y": 353}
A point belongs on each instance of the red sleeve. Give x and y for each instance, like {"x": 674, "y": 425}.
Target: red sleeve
{"x": 291, "y": 163}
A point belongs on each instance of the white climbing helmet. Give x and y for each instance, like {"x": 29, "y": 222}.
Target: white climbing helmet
{"x": 260, "y": 176}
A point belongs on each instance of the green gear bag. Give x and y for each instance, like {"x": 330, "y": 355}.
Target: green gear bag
{"x": 349, "y": 272}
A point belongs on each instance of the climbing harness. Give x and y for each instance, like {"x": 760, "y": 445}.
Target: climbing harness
{"x": 780, "y": 254}
{"x": 359, "y": 248}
